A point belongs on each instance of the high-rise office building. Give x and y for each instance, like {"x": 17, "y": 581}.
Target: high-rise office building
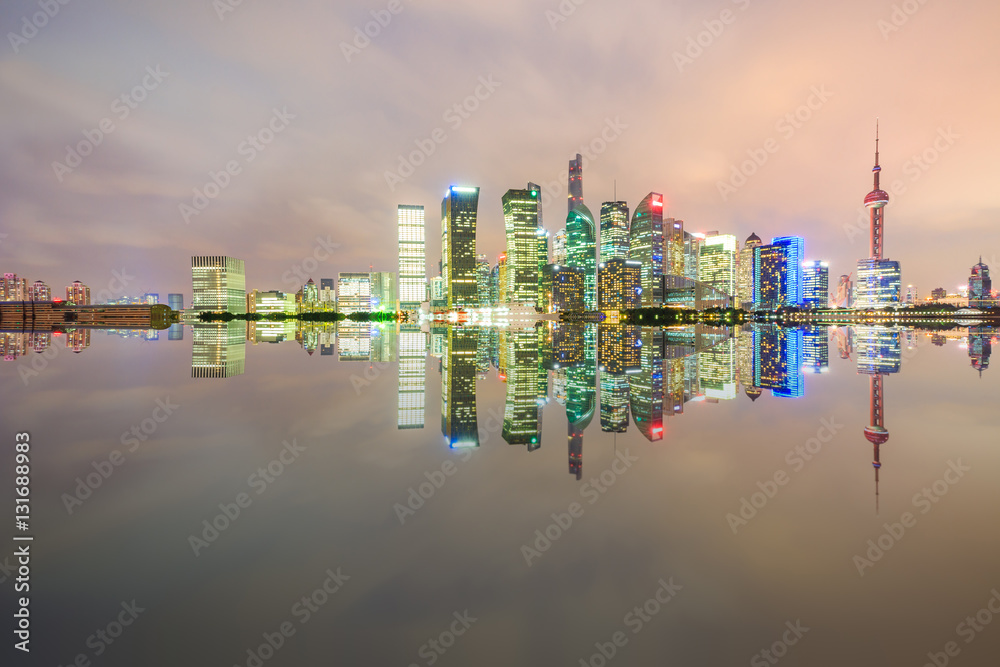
{"x": 646, "y": 246}
{"x": 581, "y": 251}
{"x": 542, "y": 239}
{"x": 520, "y": 215}
{"x": 273, "y": 302}
{"x": 575, "y": 195}
{"x": 459, "y": 210}
{"x": 459, "y": 419}
{"x": 981, "y": 287}
{"x": 78, "y": 294}
{"x": 310, "y": 295}
{"x": 483, "y": 280}
{"x": 778, "y": 273}
{"x": 745, "y": 272}
{"x": 673, "y": 247}
{"x": 40, "y": 292}
{"x": 939, "y": 293}
{"x": 412, "y": 256}
{"x": 717, "y": 263}
{"x": 175, "y": 301}
{"x": 411, "y": 381}
{"x": 879, "y": 283}
{"x": 384, "y": 294}
{"x": 692, "y": 252}
{"x": 327, "y": 293}
{"x": 559, "y": 247}
{"x": 614, "y": 230}
{"x": 502, "y": 278}
{"x": 815, "y": 284}
{"x": 563, "y": 288}
{"x": 219, "y": 284}
{"x": 354, "y": 292}
{"x": 619, "y": 284}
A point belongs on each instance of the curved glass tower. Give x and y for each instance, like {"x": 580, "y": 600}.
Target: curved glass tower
{"x": 581, "y": 251}
{"x": 646, "y": 246}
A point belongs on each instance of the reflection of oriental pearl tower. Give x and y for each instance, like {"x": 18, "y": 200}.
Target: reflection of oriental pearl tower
{"x": 876, "y": 433}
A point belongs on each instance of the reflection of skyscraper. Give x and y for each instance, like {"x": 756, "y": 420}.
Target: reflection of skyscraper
{"x": 219, "y": 284}
{"x": 646, "y": 246}
{"x": 646, "y": 386}
{"x": 410, "y": 391}
{"x": 980, "y": 348}
{"x": 218, "y": 349}
{"x": 618, "y": 352}
{"x": 815, "y": 350}
{"x": 778, "y": 360}
{"x": 521, "y": 410}
{"x": 459, "y": 210}
{"x": 717, "y": 370}
{"x": 459, "y": 420}
{"x": 483, "y": 281}
{"x": 412, "y": 256}
{"x": 581, "y": 399}
{"x": 354, "y": 341}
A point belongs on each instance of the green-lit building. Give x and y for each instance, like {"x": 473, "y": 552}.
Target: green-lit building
{"x": 521, "y": 421}
{"x": 581, "y": 251}
{"x": 459, "y": 419}
{"x": 646, "y": 246}
{"x": 614, "y": 230}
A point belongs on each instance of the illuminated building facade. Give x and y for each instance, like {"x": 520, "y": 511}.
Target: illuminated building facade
{"x": 354, "y": 292}
{"x": 646, "y": 246}
{"x": 845, "y": 292}
{"x": 273, "y": 302}
{"x": 14, "y": 288}
{"x": 815, "y": 284}
{"x": 218, "y": 350}
{"x": 459, "y": 420}
{"x": 384, "y": 294}
{"x": 778, "y": 360}
{"x": 520, "y": 215}
{"x": 40, "y": 292}
{"x": 815, "y": 350}
{"x": 581, "y": 251}
{"x": 483, "y": 281}
{"x": 981, "y": 287}
{"x": 521, "y": 421}
{"x": 459, "y": 210}
{"x": 673, "y": 247}
{"x": 778, "y": 273}
{"x": 646, "y": 386}
{"x": 745, "y": 272}
{"x": 619, "y": 284}
{"x": 563, "y": 288}
{"x": 878, "y": 283}
{"x": 575, "y": 189}
{"x": 717, "y": 263}
{"x": 218, "y": 284}
{"x": 717, "y": 370}
{"x": 78, "y": 294}
{"x": 614, "y": 230}
{"x": 412, "y": 256}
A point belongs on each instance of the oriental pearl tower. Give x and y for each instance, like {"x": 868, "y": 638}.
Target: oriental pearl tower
{"x": 876, "y": 432}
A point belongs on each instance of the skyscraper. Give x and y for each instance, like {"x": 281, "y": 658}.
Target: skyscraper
{"x": 459, "y": 210}
{"x": 40, "y": 292}
{"x": 981, "y": 287}
{"x": 412, "y": 256}
{"x": 542, "y": 238}
{"x": 354, "y": 292}
{"x": 575, "y": 197}
{"x": 646, "y": 246}
{"x": 383, "y": 292}
{"x": 581, "y": 251}
{"x": 218, "y": 284}
{"x": 717, "y": 263}
{"x": 13, "y": 288}
{"x": 778, "y": 273}
{"x": 78, "y": 294}
{"x": 175, "y": 301}
{"x": 673, "y": 247}
{"x": 745, "y": 272}
{"x": 483, "y": 280}
{"x": 563, "y": 288}
{"x": 692, "y": 252}
{"x": 815, "y": 284}
{"x": 520, "y": 215}
{"x": 845, "y": 292}
{"x": 559, "y": 247}
{"x": 619, "y": 284}
{"x": 614, "y": 230}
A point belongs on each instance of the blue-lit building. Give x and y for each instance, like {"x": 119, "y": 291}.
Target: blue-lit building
{"x": 815, "y": 284}
{"x": 777, "y": 279}
{"x": 878, "y": 283}
{"x": 815, "y": 350}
